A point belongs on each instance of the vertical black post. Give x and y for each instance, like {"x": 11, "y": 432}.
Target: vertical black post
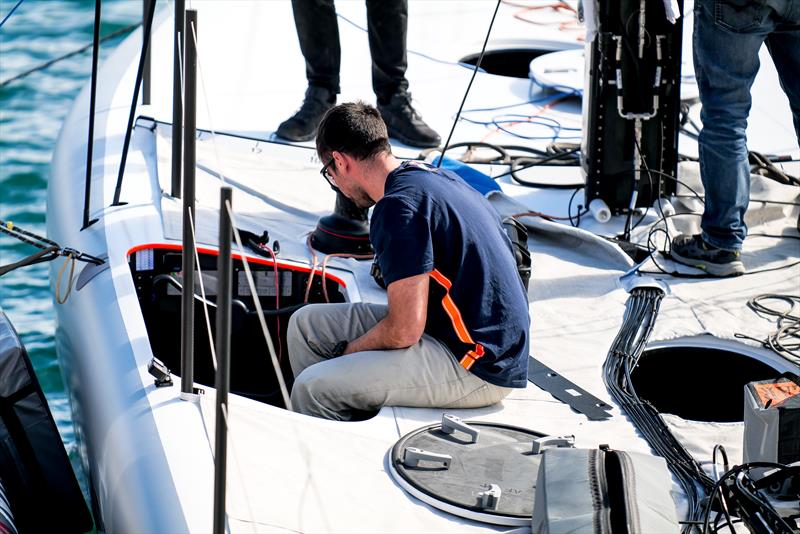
{"x": 87, "y": 193}
{"x": 146, "y": 27}
{"x": 223, "y": 349}
{"x": 146, "y": 76}
{"x": 177, "y": 100}
{"x": 187, "y": 308}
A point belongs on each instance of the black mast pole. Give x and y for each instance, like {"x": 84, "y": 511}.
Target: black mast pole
{"x": 147, "y": 69}
{"x": 148, "y": 24}
{"x": 87, "y": 193}
{"x": 223, "y": 348}
{"x": 187, "y": 308}
{"x": 177, "y": 100}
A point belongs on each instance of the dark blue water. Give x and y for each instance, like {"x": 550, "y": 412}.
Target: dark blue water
{"x": 31, "y": 112}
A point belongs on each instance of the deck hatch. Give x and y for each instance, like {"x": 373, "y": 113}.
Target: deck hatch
{"x": 478, "y": 470}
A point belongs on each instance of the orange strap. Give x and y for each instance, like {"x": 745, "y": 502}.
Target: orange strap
{"x": 453, "y": 312}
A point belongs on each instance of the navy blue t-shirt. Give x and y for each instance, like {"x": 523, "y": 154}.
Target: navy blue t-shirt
{"x": 430, "y": 219}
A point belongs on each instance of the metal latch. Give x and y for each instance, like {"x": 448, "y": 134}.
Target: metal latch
{"x": 412, "y": 456}
{"x": 552, "y": 442}
{"x": 489, "y": 499}
{"x": 451, "y": 423}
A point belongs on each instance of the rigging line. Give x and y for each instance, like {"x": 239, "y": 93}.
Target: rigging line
{"x": 220, "y": 173}
{"x": 203, "y": 293}
{"x": 338, "y": 255}
{"x": 469, "y": 86}
{"x": 249, "y": 275}
{"x": 313, "y": 264}
{"x": 68, "y": 55}
{"x": 10, "y": 13}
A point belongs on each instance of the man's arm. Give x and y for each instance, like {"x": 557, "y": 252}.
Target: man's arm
{"x": 404, "y": 324}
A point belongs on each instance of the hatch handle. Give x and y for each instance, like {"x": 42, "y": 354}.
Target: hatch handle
{"x": 552, "y": 442}
{"x": 412, "y": 456}
{"x": 451, "y": 423}
{"x": 490, "y": 498}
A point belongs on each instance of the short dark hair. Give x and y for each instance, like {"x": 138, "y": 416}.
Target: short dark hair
{"x": 353, "y": 128}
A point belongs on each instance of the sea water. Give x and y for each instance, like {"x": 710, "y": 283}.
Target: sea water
{"x": 31, "y": 112}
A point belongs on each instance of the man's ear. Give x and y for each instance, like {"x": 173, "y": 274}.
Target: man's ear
{"x": 341, "y": 160}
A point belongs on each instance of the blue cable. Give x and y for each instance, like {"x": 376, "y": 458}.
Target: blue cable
{"x": 10, "y": 13}
{"x": 420, "y": 54}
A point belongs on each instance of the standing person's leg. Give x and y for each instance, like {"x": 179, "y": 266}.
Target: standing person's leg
{"x": 318, "y": 32}
{"x": 784, "y": 47}
{"x": 387, "y": 22}
{"x": 726, "y": 41}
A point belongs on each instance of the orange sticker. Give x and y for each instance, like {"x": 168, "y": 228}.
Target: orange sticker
{"x": 776, "y": 393}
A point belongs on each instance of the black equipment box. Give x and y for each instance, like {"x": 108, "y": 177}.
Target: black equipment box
{"x": 634, "y": 63}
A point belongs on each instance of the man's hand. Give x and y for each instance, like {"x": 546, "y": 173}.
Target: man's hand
{"x": 404, "y": 324}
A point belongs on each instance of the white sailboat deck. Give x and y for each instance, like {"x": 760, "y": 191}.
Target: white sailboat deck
{"x": 289, "y": 472}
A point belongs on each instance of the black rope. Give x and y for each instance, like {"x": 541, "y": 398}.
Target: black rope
{"x": 139, "y": 73}
{"x": 68, "y": 55}
{"x": 469, "y": 86}
{"x": 785, "y": 340}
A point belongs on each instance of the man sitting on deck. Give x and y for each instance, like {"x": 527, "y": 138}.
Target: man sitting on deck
{"x": 455, "y": 331}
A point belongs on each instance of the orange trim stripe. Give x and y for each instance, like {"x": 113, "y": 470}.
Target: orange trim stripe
{"x": 454, "y": 313}
{"x": 236, "y": 256}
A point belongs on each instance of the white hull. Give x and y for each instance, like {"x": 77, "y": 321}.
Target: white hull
{"x": 149, "y": 454}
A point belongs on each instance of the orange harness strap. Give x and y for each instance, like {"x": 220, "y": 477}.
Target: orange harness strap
{"x": 453, "y": 312}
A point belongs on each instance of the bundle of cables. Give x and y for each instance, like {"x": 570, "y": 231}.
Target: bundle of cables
{"x": 742, "y": 497}
{"x": 640, "y": 315}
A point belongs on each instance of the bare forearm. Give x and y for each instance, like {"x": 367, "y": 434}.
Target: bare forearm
{"x": 383, "y": 336}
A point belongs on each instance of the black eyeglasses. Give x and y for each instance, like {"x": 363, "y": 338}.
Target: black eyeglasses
{"x": 324, "y": 173}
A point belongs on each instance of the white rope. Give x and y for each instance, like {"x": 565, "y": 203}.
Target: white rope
{"x": 275, "y": 364}
{"x": 220, "y": 174}
{"x": 248, "y": 274}
{"x": 203, "y": 293}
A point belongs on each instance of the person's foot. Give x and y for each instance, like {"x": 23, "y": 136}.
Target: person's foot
{"x": 302, "y": 126}
{"x": 405, "y": 124}
{"x": 694, "y": 251}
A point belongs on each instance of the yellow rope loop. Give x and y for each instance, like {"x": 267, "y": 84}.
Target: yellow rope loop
{"x": 70, "y": 259}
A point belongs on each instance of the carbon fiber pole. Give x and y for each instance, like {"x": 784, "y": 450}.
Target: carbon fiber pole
{"x": 87, "y": 192}
{"x": 146, "y": 75}
{"x": 223, "y": 349}
{"x": 177, "y": 100}
{"x": 187, "y": 307}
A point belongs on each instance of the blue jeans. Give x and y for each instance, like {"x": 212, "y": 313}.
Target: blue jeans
{"x": 727, "y": 37}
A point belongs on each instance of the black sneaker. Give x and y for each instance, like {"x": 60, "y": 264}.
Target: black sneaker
{"x": 692, "y": 250}
{"x": 302, "y": 126}
{"x": 405, "y": 124}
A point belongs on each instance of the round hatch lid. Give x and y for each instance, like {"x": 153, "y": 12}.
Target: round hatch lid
{"x": 477, "y": 470}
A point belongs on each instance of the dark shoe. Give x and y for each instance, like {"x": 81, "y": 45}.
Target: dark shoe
{"x": 302, "y": 126}
{"x": 405, "y": 124}
{"x": 692, "y": 250}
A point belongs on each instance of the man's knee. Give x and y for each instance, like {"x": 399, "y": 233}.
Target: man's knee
{"x": 308, "y": 395}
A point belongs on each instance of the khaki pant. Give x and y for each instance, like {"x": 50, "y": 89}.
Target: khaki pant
{"x": 425, "y": 375}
